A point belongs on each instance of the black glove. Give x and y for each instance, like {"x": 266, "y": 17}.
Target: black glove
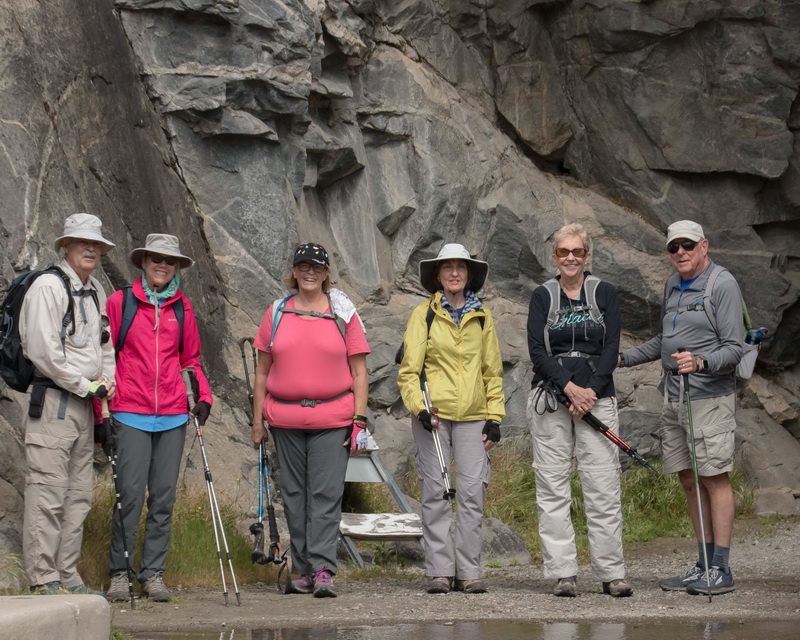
{"x": 201, "y": 411}
{"x": 492, "y": 430}
{"x": 97, "y": 390}
{"x": 425, "y": 418}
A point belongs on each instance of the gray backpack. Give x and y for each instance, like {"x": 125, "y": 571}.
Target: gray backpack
{"x": 590, "y": 284}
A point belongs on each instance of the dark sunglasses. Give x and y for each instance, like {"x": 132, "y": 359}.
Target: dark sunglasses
{"x": 157, "y": 259}
{"x": 688, "y": 245}
{"x": 562, "y": 252}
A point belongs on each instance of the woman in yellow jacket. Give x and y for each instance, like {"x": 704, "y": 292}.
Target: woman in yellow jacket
{"x": 451, "y": 338}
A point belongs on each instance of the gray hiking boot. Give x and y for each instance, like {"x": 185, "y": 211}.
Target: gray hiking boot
{"x": 154, "y": 588}
{"x": 679, "y": 583}
{"x": 118, "y": 589}
{"x": 566, "y": 587}
{"x": 717, "y": 582}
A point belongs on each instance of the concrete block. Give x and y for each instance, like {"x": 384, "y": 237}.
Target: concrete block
{"x": 67, "y": 617}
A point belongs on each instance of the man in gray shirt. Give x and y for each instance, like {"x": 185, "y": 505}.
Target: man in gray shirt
{"x": 707, "y": 344}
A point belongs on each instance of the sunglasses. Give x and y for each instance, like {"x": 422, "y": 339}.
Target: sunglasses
{"x": 307, "y": 266}
{"x": 688, "y": 245}
{"x": 157, "y": 259}
{"x": 563, "y": 252}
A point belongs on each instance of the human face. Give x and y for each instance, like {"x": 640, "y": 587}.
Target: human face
{"x": 453, "y": 276}
{"x": 690, "y": 264}
{"x": 570, "y": 266}
{"x": 83, "y": 256}
{"x": 309, "y": 276}
{"x": 159, "y": 274}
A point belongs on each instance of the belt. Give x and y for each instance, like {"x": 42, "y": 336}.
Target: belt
{"x": 306, "y": 402}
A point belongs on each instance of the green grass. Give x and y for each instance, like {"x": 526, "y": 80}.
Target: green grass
{"x": 653, "y": 506}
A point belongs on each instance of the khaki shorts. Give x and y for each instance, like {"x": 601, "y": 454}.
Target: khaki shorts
{"x": 714, "y": 423}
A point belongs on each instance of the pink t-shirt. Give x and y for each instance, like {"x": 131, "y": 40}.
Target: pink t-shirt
{"x": 309, "y": 360}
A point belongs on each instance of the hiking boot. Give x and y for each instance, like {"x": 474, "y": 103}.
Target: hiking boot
{"x": 566, "y": 587}
{"x": 82, "y": 588}
{"x": 153, "y": 588}
{"x": 617, "y": 589}
{"x": 323, "y": 583}
{"x": 118, "y": 589}
{"x": 54, "y": 588}
{"x": 721, "y": 581}
{"x": 440, "y": 585}
{"x": 470, "y": 586}
{"x": 679, "y": 583}
{"x": 304, "y": 584}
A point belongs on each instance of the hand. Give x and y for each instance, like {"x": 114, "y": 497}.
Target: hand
{"x": 258, "y": 434}
{"x": 491, "y": 434}
{"x": 581, "y": 399}
{"x": 201, "y": 411}
{"x": 358, "y": 437}
{"x": 685, "y": 361}
{"x": 98, "y": 389}
{"x": 426, "y": 419}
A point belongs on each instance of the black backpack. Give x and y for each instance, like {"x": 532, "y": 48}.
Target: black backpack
{"x": 130, "y": 305}
{"x": 15, "y": 368}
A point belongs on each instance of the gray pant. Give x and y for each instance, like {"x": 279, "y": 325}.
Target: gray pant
{"x": 146, "y": 460}
{"x": 58, "y": 488}
{"x": 444, "y": 556}
{"x": 313, "y": 466}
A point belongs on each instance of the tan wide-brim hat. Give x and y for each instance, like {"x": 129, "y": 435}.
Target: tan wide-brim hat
{"x": 162, "y": 244}
{"x": 478, "y": 269}
{"x": 84, "y": 226}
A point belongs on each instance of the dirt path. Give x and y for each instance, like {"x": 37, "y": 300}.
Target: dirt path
{"x": 766, "y": 569}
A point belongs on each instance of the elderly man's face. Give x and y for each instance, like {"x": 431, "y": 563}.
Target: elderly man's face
{"x": 83, "y": 256}
{"x": 689, "y": 263}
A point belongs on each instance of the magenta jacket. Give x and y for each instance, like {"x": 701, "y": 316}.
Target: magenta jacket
{"x": 149, "y": 366}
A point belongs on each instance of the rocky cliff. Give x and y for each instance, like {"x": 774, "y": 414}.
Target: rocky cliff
{"x": 383, "y": 128}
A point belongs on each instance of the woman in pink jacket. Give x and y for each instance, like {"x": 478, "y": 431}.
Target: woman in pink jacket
{"x": 154, "y": 330}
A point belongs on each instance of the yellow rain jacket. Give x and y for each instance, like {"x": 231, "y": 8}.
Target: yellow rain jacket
{"x": 463, "y": 364}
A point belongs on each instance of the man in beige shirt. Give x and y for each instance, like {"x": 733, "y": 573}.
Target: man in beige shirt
{"x": 73, "y": 366}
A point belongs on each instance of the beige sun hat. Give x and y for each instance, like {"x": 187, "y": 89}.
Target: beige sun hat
{"x": 84, "y": 226}
{"x": 685, "y": 229}
{"x": 162, "y": 244}
{"x": 478, "y": 269}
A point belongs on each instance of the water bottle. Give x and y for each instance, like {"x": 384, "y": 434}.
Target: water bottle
{"x": 754, "y": 336}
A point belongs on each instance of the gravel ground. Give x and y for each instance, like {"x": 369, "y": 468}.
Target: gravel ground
{"x": 765, "y": 561}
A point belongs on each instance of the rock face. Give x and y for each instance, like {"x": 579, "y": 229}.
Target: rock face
{"x": 383, "y": 128}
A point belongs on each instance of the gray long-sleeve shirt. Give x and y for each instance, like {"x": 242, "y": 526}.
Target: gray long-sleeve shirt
{"x": 691, "y": 329}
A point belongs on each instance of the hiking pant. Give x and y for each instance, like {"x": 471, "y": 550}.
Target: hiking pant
{"x": 555, "y": 437}
{"x": 313, "y": 466}
{"x": 145, "y": 460}
{"x": 58, "y": 487}
{"x": 444, "y": 556}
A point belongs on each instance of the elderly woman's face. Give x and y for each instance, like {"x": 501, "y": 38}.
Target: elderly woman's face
{"x": 159, "y": 270}
{"x": 566, "y": 258}
{"x": 454, "y": 275}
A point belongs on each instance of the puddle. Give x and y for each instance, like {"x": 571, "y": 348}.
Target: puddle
{"x": 495, "y": 630}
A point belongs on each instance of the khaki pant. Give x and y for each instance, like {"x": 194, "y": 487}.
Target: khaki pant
{"x": 555, "y": 437}
{"x": 58, "y": 488}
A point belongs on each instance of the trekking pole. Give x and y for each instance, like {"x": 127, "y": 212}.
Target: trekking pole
{"x": 111, "y": 452}
{"x": 257, "y": 528}
{"x": 216, "y": 515}
{"x": 243, "y": 342}
{"x": 688, "y": 400}
{"x": 449, "y": 491}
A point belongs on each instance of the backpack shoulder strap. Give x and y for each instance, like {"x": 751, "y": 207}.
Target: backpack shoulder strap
{"x": 707, "y": 306}
{"x": 180, "y": 315}
{"x": 277, "y": 313}
{"x": 130, "y": 305}
{"x": 590, "y": 285}
{"x": 552, "y": 287}
{"x": 69, "y": 316}
{"x": 340, "y": 323}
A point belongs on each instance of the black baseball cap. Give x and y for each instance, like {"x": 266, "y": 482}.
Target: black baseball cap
{"x": 311, "y": 252}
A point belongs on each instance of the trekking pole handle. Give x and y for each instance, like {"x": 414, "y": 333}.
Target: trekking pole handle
{"x": 104, "y": 412}
{"x": 186, "y": 374}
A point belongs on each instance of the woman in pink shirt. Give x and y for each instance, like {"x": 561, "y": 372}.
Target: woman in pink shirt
{"x": 311, "y": 388}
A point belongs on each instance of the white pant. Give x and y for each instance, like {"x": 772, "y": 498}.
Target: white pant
{"x": 444, "y": 556}
{"x": 555, "y": 436}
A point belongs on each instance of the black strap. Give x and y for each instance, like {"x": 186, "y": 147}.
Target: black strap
{"x": 130, "y": 305}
